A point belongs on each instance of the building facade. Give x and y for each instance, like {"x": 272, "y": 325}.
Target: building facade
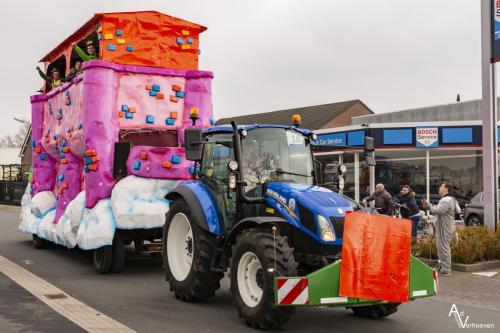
{"x": 419, "y": 147}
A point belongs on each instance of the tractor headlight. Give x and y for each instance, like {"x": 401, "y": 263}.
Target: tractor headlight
{"x": 325, "y": 229}
{"x": 232, "y": 165}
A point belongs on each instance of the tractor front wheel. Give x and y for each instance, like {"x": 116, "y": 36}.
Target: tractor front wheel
{"x": 256, "y": 257}
{"x": 375, "y": 311}
{"x": 187, "y": 253}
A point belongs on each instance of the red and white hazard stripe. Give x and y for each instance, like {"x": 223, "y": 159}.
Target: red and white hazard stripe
{"x": 293, "y": 291}
{"x": 436, "y": 282}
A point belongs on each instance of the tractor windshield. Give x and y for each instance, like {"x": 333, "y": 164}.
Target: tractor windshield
{"x": 276, "y": 154}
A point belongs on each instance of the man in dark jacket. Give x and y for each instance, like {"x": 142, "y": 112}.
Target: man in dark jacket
{"x": 409, "y": 207}
{"x": 382, "y": 198}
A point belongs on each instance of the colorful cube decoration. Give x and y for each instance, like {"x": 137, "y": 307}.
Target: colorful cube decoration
{"x": 170, "y": 121}
{"x": 176, "y": 159}
{"x": 150, "y": 119}
{"x": 144, "y": 155}
{"x": 156, "y": 87}
{"x": 119, "y": 32}
{"x": 166, "y": 164}
{"x": 130, "y": 48}
{"x": 111, "y": 47}
{"x": 137, "y": 165}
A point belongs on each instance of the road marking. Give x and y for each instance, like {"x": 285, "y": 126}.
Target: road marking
{"x": 81, "y": 314}
{"x": 487, "y": 274}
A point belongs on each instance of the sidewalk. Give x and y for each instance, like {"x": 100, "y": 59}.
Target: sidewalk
{"x": 22, "y": 312}
{"x": 471, "y": 289}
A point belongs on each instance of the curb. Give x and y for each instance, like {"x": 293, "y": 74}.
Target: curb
{"x": 477, "y": 267}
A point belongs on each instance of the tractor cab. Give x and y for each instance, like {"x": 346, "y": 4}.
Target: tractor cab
{"x": 268, "y": 171}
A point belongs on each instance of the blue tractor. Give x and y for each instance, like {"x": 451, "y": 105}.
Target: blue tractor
{"x": 254, "y": 208}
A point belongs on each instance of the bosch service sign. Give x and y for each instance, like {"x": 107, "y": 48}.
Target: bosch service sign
{"x": 427, "y": 137}
{"x": 496, "y": 31}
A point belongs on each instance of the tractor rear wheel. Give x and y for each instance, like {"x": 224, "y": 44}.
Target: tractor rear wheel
{"x": 118, "y": 250}
{"x": 39, "y": 243}
{"x": 187, "y": 253}
{"x": 254, "y": 257}
{"x": 375, "y": 311}
{"x": 103, "y": 258}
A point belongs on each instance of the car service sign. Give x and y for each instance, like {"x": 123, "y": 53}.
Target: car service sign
{"x": 427, "y": 137}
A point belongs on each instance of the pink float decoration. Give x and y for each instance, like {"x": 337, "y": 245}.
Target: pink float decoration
{"x": 107, "y": 104}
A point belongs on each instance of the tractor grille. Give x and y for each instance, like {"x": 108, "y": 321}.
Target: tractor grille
{"x": 338, "y": 225}
{"x": 307, "y": 218}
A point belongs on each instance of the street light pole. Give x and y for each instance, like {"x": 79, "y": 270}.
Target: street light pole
{"x": 489, "y": 118}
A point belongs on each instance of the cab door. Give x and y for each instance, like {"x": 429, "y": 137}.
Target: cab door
{"x": 214, "y": 174}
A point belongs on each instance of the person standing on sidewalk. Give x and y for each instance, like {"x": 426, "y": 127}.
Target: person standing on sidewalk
{"x": 444, "y": 225}
{"x": 409, "y": 208}
{"x": 382, "y": 198}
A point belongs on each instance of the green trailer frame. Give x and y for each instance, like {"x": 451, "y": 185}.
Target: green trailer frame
{"x": 323, "y": 287}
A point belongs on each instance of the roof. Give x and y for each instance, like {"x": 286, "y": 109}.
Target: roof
{"x": 313, "y": 117}
{"x": 460, "y": 111}
{"x": 228, "y": 128}
{"x": 26, "y": 141}
{"x": 83, "y": 31}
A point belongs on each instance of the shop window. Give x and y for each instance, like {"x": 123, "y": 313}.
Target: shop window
{"x": 463, "y": 169}
{"x": 350, "y": 189}
{"x": 324, "y": 160}
{"x": 396, "y": 168}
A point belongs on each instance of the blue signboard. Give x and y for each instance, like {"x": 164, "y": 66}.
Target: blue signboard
{"x": 495, "y": 27}
{"x": 398, "y": 136}
{"x": 332, "y": 139}
{"x": 356, "y": 138}
{"x": 457, "y": 135}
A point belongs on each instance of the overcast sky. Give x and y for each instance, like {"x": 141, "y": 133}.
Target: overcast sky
{"x": 270, "y": 55}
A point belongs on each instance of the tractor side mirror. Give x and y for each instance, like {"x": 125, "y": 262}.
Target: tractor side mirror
{"x": 368, "y": 151}
{"x": 193, "y": 143}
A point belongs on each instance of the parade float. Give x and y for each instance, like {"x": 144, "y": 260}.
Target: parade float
{"x": 107, "y": 143}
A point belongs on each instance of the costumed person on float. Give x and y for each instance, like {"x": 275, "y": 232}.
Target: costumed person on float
{"x": 54, "y": 80}
{"x": 91, "y": 51}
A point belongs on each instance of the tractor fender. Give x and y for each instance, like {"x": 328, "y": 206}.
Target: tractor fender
{"x": 201, "y": 203}
{"x": 251, "y": 222}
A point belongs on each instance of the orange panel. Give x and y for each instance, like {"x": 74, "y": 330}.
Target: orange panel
{"x": 150, "y": 39}
{"x": 375, "y": 257}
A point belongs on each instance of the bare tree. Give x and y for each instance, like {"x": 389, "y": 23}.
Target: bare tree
{"x": 15, "y": 140}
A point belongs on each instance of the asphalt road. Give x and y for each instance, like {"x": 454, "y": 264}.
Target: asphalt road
{"x": 139, "y": 298}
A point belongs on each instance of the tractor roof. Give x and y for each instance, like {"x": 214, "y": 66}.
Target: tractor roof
{"x": 228, "y": 128}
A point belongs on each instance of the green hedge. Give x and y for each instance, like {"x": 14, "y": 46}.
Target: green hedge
{"x": 470, "y": 245}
